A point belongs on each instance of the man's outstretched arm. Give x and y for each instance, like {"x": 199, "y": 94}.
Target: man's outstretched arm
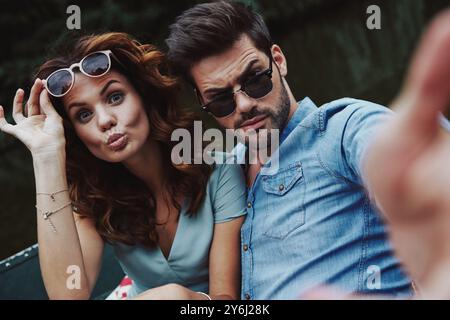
{"x": 407, "y": 166}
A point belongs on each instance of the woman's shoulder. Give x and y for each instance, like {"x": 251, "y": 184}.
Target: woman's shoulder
{"x": 227, "y": 192}
{"x": 226, "y": 172}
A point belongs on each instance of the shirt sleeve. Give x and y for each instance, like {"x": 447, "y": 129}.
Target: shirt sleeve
{"x": 229, "y": 201}
{"x": 358, "y": 132}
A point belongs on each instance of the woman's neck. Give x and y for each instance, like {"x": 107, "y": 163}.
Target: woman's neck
{"x": 147, "y": 165}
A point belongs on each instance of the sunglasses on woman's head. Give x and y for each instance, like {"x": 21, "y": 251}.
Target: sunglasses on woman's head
{"x": 95, "y": 64}
{"x": 256, "y": 87}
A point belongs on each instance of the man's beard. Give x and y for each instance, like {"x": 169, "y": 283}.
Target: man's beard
{"x": 278, "y": 119}
{"x": 281, "y": 115}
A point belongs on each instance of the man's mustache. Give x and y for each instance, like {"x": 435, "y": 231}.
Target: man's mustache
{"x": 249, "y": 115}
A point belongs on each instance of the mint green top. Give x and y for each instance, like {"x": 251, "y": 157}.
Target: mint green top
{"x": 187, "y": 263}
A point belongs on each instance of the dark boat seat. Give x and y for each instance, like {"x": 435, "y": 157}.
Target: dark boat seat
{"x": 20, "y": 276}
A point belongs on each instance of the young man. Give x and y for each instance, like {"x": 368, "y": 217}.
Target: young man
{"x": 312, "y": 222}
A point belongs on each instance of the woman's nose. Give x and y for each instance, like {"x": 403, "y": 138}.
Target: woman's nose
{"x": 105, "y": 118}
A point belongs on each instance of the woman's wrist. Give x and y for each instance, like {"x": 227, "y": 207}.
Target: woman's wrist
{"x": 50, "y": 171}
{"x": 49, "y": 154}
{"x": 49, "y": 158}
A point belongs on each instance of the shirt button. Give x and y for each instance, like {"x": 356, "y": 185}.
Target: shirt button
{"x": 249, "y": 204}
{"x": 247, "y": 296}
{"x": 245, "y": 247}
{"x": 281, "y": 187}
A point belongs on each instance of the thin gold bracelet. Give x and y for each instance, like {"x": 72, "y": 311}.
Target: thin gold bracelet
{"x": 47, "y": 214}
{"x": 52, "y": 195}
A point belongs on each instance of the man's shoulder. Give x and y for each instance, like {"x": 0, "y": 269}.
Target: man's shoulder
{"x": 345, "y": 125}
{"x": 337, "y": 113}
{"x": 344, "y": 108}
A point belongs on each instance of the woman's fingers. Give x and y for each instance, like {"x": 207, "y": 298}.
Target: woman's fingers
{"x": 17, "y": 112}
{"x": 33, "y": 102}
{"x": 46, "y": 105}
{"x": 4, "y": 125}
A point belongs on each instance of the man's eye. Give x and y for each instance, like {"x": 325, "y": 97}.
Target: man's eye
{"x": 83, "y": 115}
{"x": 254, "y": 76}
{"x": 115, "y": 98}
{"x": 221, "y": 96}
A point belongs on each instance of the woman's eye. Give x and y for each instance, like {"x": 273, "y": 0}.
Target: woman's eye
{"x": 83, "y": 115}
{"x": 115, "y": 98}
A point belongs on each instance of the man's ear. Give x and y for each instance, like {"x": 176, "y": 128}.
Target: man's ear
{"x": 279, "y": 59}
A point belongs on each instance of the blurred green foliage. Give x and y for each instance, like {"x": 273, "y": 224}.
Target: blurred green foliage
{"x": 330, "y": 54}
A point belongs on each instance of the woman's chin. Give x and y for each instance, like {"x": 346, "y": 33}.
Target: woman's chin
{"x": 116, "y": 156}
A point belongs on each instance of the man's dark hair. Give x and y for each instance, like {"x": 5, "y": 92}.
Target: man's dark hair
{"x": 212, "y": 28}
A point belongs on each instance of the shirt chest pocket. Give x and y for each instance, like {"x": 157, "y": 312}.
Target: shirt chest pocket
{"x": 284, "y": 192}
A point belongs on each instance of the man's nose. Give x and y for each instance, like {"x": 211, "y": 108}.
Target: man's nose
{"x": 244, "y": 103}
{"x": 105, "y": 118}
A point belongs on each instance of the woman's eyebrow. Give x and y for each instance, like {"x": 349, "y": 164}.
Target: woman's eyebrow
{"x": 105, "y": 87}
{"x": 75, "y": 105}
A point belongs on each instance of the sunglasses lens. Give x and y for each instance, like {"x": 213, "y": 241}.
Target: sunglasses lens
{"x": 59, "y": 83}
{"x": 95, "y": 64}
{"x": 259, "y": 86}
{"x": 222, "y": 107}
{"x": 256, "y": 88}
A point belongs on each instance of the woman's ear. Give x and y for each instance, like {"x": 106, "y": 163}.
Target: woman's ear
{"x": 279, "y": 59}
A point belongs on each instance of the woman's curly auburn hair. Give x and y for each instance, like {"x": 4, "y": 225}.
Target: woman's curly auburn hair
{"x": 121, "y": 205}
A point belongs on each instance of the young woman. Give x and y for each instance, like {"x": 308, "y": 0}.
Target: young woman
{"x": 99, "y": 130}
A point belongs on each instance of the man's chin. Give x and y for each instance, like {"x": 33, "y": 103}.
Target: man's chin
{"x": 258, "y": 139}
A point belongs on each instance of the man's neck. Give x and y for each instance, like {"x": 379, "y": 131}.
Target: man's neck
{"x": 252, "y": 172}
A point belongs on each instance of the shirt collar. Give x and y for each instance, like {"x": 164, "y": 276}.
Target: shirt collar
{"x": 304, "y": 107}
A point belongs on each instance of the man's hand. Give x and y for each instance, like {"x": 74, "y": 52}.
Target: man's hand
{"x": 408, "y": 165}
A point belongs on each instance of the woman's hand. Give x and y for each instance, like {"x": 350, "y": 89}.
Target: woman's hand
{"x": 170, "y": 291}
{"x": 41, "y": 130}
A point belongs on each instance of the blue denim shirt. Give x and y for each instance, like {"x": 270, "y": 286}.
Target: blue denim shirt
{"x": 312, "y": 222}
